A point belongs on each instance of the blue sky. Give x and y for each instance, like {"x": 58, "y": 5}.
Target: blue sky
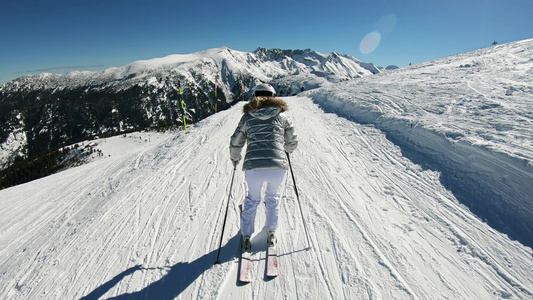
{"x": 58, "y": 36}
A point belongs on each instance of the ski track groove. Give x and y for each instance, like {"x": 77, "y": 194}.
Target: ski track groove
{"x": 321, "y": 173}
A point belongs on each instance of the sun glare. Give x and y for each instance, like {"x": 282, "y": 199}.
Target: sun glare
{"x": 370, "y": 42}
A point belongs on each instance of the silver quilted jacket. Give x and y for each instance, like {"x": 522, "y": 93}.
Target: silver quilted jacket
{"x": 268, "y": 134}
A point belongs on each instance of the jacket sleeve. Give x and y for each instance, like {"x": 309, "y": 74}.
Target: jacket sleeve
{"x": 291, "y": 140}
{"x": 238, "y": 140}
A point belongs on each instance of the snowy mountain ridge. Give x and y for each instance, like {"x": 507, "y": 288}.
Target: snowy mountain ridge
{"x": 272, "y": 62}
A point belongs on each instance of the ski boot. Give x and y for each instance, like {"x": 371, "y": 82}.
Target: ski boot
{"x": 271, "y": 238}
{"x": 246, "y": 243}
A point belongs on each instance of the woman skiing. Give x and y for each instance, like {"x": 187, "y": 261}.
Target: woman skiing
{"x": 269, "y": 136}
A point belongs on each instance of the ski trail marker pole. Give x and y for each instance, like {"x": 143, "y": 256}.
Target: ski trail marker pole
{"x": 299, "y": 204}
{"x": 225, "y": 216}
{"x": 182, "y": 106}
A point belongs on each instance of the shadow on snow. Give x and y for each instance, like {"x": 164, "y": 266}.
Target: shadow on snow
{"x": 178, "y": 278}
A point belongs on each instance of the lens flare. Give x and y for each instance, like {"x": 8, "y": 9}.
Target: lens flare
{"x": 370, "y": 42}
{"x": 386, "y": 25}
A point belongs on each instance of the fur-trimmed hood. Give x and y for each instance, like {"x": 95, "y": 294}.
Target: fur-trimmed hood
{"x": 262, "y": 102}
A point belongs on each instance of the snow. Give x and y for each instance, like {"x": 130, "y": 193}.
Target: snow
{"x": 172, "y": 61}
{"x": 144, "y": 220}
{"x": 467, "y": 116}
{"x": 14, "y": 144}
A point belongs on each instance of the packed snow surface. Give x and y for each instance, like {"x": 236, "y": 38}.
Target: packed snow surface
{"x": 375, "y": 171}
{"x": 468, "y": 116}
{"x": 144, "y": 222}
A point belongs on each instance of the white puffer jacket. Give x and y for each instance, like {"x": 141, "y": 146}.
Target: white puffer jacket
{"x": 268, "y": 132}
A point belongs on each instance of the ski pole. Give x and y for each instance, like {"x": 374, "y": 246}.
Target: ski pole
{"x": 299, "y": 204}
{"x": 225, "y": 216}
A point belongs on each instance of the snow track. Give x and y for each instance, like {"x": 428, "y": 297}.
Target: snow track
{"x": 145, "y": 224}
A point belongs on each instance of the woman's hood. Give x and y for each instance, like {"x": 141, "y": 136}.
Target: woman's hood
{"x": 263, "y": 102}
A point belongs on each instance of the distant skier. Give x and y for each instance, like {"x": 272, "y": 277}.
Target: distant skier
{"x": 269, "y": 134}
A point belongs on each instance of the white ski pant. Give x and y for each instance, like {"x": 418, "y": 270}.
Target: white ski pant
{"x": 255, "y": 180}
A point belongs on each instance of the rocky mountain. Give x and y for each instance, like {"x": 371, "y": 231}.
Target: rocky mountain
{"x": 44, "y": 112}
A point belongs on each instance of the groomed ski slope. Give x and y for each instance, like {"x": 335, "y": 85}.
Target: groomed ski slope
{"x": 144, "y": 222}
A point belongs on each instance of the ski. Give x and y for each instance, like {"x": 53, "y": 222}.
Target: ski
{"x": 272, "y": 268}
{"x": 245, "y": 272}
